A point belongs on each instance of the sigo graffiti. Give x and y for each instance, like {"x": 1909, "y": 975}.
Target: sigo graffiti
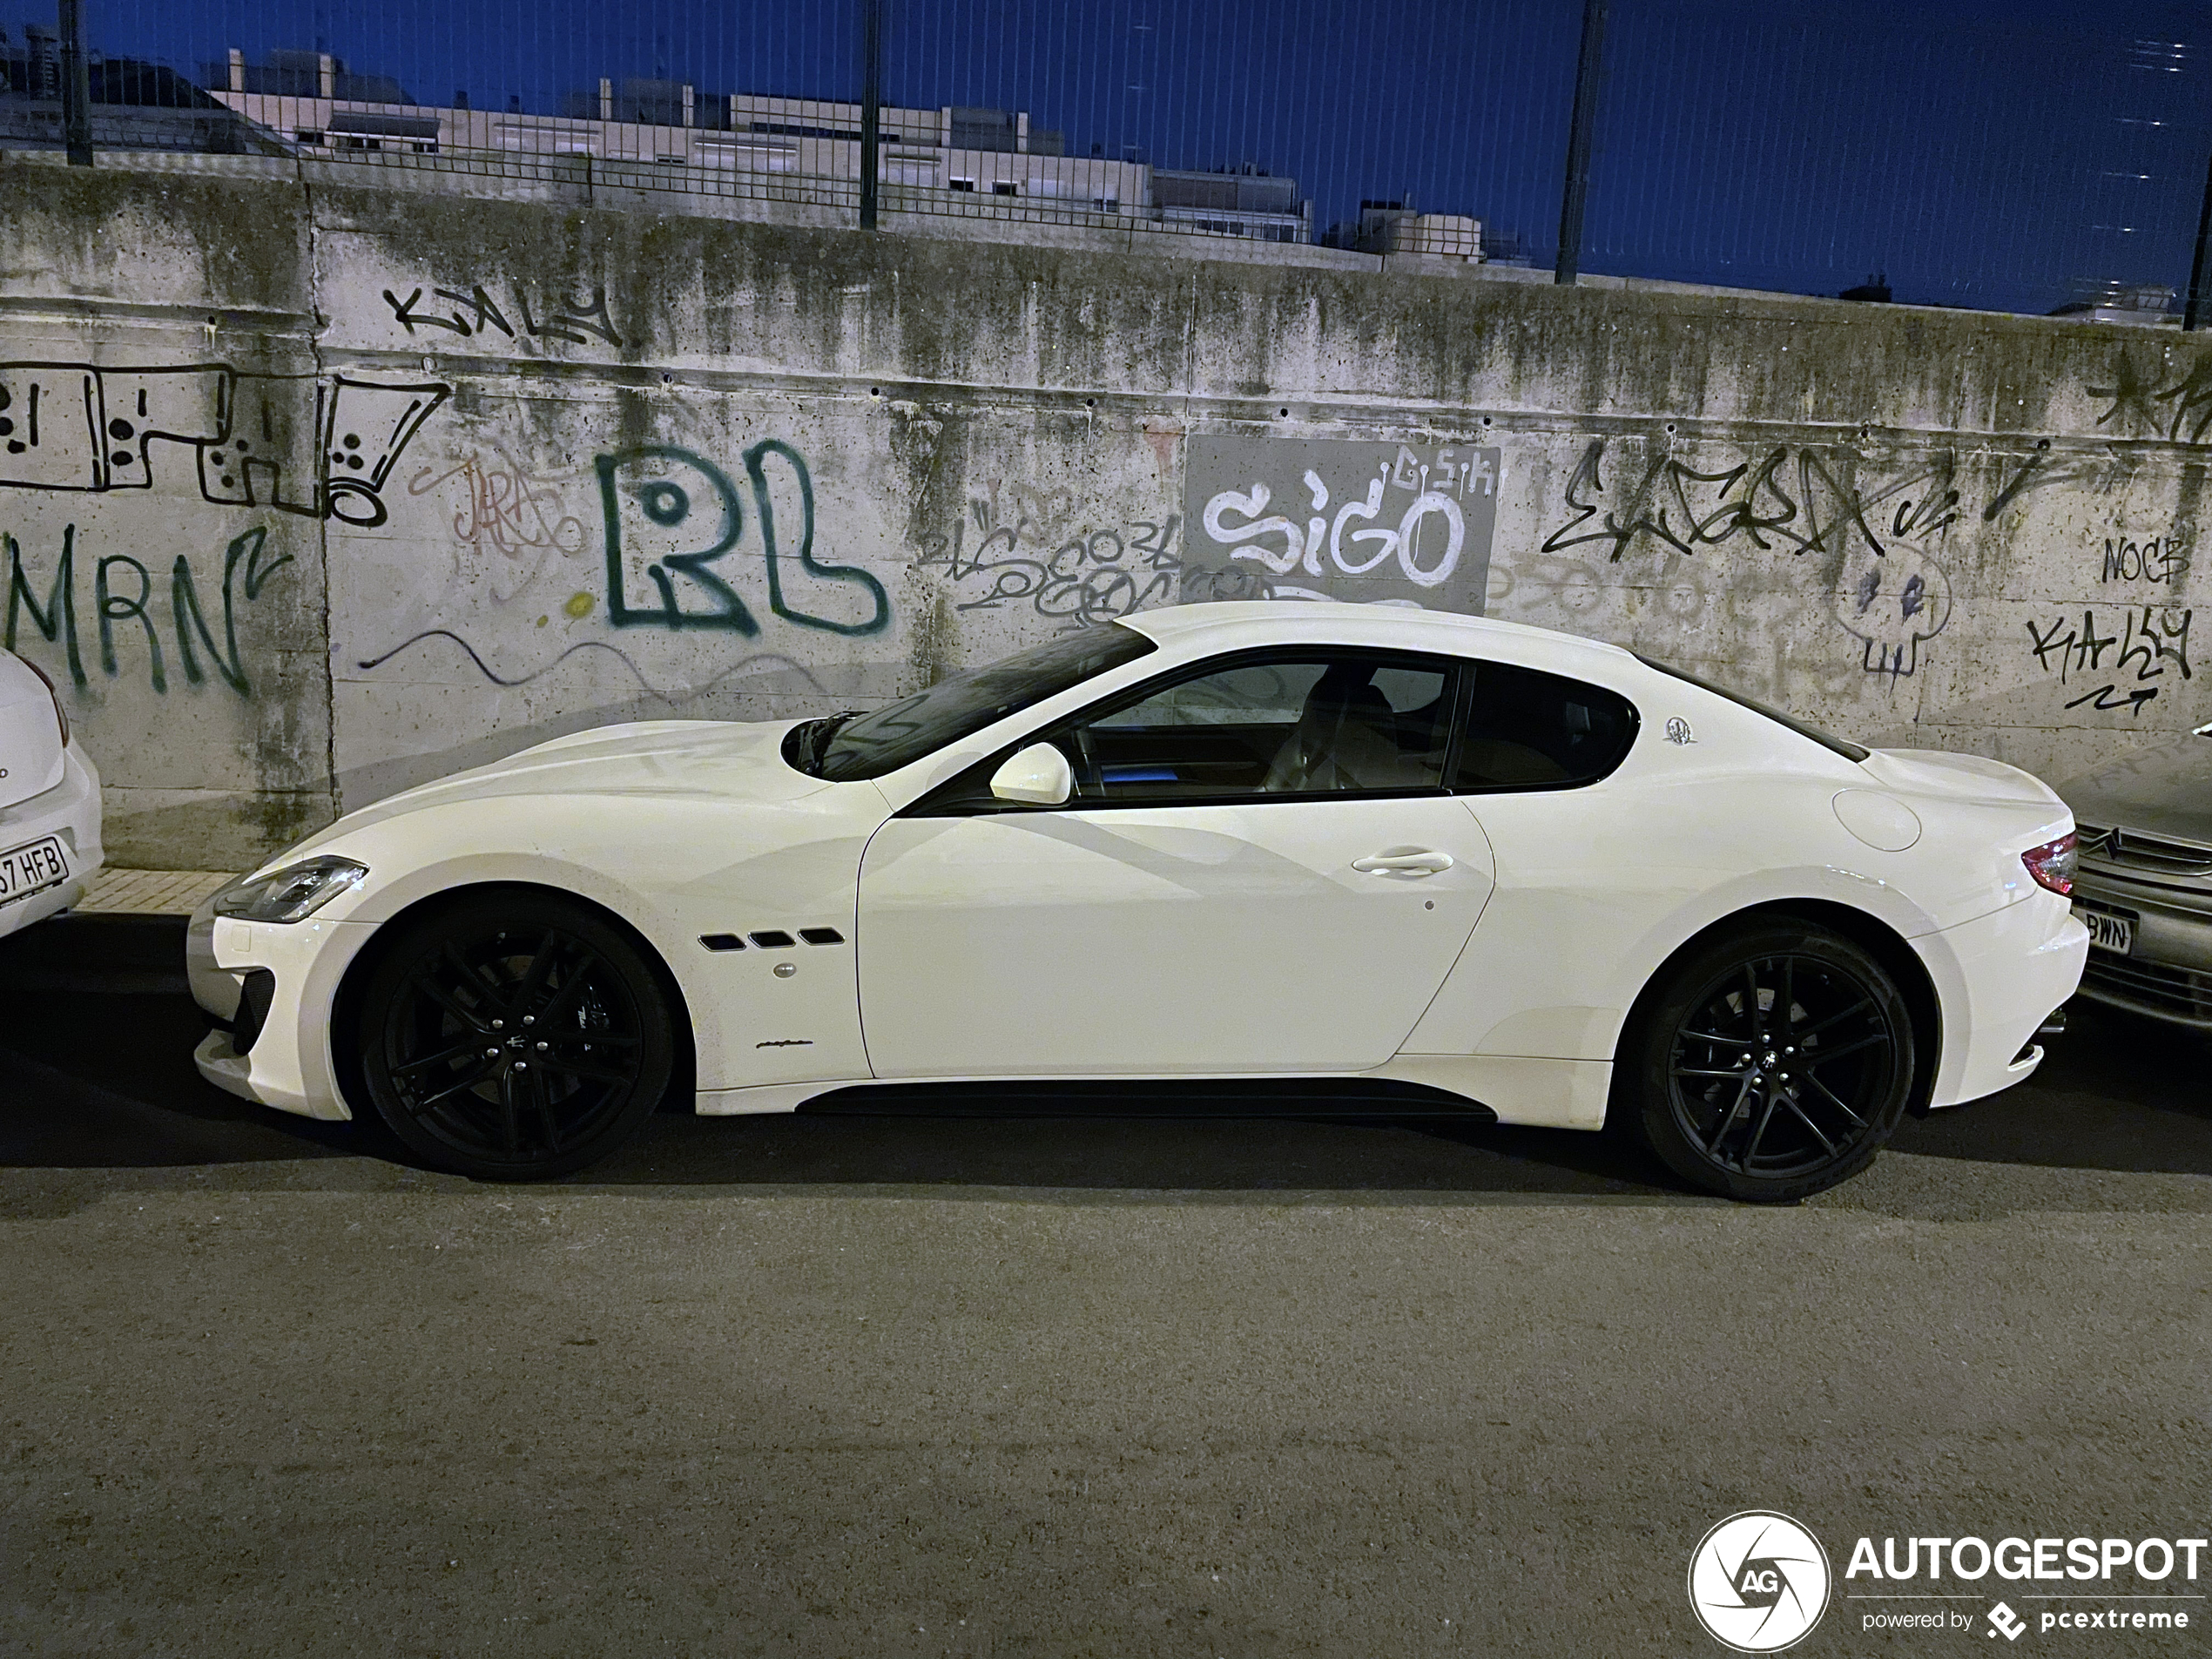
{"x": 2150, "y": 639}
{"x": 123, "y": 588}
{"x": 1359, "y": 513}
{"x": 318, "y": 446}
{"x": 671, "y": 514}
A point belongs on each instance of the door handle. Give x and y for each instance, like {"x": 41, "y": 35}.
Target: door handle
{"x": 1411, "y": 861}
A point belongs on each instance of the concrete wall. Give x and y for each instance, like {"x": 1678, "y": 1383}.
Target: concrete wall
{"x": 335, "y": 489}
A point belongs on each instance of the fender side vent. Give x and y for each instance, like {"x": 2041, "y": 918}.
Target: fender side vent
{"x": 821, "y": 935}
{"x": 256, "y": 992}
{"x": 772, "y": 940}
{"x": 722, "y": 941}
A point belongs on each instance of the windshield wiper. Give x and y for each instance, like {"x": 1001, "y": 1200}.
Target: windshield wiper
{"x": 814, "y": 742}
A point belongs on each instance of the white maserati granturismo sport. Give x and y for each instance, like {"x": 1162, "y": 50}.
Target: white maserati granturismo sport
{"x": 1271, "y": 857}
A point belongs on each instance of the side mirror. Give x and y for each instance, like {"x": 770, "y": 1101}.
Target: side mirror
{"x": 1038, "y": 776}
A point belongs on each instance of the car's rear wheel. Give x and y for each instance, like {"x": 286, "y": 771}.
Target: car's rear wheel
{"x": 513, "y": 1035}
{"x": 1772, "y": 1062}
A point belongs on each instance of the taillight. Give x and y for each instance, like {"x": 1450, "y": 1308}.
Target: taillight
{"x": 2052, "y": 864}
{"x": 61, "y": 714}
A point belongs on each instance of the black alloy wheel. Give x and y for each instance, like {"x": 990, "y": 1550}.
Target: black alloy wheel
{"x": 1775, "y": 1064}
{"x": 513, "y": 1035}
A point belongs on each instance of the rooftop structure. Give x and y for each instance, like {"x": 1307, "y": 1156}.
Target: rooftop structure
{"x": 931, "y": 160}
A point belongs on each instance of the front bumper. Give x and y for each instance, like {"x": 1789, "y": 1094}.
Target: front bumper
{"x": 290, "y": 1065}
{"x": 2168, "y": 975}
{"x": 71, "y": 810}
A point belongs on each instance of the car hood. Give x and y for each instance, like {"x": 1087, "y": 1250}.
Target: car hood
{"x": 658, "y": 759}
{"x": 1937, "y": 772}
{"x": 2163, "y": 790}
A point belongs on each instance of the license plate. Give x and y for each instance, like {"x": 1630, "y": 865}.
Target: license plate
{"x": 2108, "y": 931}
{"x": 24, "y": 870}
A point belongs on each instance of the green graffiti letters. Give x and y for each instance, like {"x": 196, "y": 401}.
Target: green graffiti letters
{"x": 699, "y": 495}
{"x": 246, "y": 570}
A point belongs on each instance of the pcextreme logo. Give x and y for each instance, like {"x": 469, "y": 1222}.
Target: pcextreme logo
{"x": 1758, "y": 1581}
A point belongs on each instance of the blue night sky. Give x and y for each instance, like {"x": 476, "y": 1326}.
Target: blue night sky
{"x": 1981, "y": 152}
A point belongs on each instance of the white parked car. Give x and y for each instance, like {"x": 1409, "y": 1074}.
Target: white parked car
{"x": 1274, "y": 855}
{"x": 49, "y": 801}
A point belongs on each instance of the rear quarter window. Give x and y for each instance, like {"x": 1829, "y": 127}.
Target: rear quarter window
{"x": 1527, "y": 729}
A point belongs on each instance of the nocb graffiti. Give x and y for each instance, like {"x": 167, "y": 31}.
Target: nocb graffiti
{"x": 315, "y": 446}
{"x": 123, "y": 588}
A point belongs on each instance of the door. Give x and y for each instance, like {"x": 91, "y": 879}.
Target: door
{"x": 1259, "y": 871}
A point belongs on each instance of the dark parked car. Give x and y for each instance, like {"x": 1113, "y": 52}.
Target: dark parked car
{"x": 2145, "y": 882}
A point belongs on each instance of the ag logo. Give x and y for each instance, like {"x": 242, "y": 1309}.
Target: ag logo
{"x": 1758, "y": 1581}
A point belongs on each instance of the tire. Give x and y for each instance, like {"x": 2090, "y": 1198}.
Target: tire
{"x": 1768, "y": 1063}
{"x": 513, "y": 1035}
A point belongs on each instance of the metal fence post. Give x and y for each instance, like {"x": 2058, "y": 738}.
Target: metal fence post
{"x": 2193, "y": 307}
{"x": 871, "y": 107}
{"x": 1578, "y": 143}
{"x": 76, "y": 85}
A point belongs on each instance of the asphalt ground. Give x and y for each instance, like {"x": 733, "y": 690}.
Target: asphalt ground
{"x": 846, "y": 1385}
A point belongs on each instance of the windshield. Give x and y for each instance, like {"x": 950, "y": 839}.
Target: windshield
{"x": 1826, "y": 739}
{"x": 867, "y": 746}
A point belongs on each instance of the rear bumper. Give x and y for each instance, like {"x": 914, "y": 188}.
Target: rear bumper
{"x": 71, "y": 810}
{"x": 1998, "y": 977}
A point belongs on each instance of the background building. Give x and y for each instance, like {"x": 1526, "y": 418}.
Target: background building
{"x": 314, "y": 101}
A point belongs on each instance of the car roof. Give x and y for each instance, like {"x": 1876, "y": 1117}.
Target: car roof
{"x": 1230, "y": 624}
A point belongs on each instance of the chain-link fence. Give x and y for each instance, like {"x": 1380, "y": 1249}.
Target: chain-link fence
{"x": 2018, "y": 156}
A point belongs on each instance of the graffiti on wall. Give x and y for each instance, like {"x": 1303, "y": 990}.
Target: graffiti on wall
{"x": 2149, "y": 639}
{"x": 2158, "y": 560}
{"x": 472, "y": 311}
{"x": 1346, "y": 520}
{"x": 122, "y": 589}
{"x": 319, "y": 447}
{"x": 2177, "y": 408}
{"x": 684, "y": 549}
{"x": 1051, "y": 564}
{"x": 1892, "y": 596}
{"x": 670, "y": 515}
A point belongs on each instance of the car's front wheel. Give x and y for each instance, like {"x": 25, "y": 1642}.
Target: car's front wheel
{"x": 1771, "y": 1064}
{"x": 510, "y": 1035}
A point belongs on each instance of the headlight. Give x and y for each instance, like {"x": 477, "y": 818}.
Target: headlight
{"x": 291, "y": 894}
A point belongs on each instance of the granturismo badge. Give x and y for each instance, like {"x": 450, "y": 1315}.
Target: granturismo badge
{"x": 1758, "y": 1581}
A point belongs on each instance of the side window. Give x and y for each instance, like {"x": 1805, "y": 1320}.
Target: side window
{"x": 1300, "y": 723}
{"x": 1530, "y": 730}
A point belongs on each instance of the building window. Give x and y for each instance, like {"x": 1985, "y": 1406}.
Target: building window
{"x": 308, "y": 135}
{"x": 1006, "y": 189}
{"x": 962, "y": 183}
